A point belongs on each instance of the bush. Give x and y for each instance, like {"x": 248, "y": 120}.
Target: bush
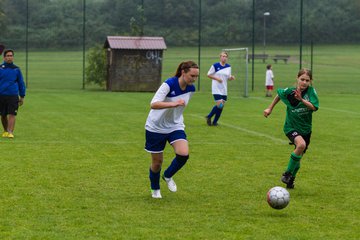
{"x": 96, "y": 67}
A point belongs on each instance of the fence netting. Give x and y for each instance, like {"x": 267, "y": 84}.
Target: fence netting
{"x": 51, "y": 38}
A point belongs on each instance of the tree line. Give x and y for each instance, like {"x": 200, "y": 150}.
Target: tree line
{"x": 59, "y": 23}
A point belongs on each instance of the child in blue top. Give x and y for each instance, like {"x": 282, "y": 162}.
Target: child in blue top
{"x": 12, "y": 92}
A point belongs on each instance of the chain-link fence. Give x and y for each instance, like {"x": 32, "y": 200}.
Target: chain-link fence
{"x": 52, "y": 37}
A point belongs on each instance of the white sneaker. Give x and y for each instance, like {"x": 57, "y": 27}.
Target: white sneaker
{"x": 170, "y": 183}
{"x": 156, "y": 193}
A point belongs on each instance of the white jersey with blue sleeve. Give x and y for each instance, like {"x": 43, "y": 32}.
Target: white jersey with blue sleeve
{"x": 222, "y": 72}
{"x": 168, "y": 120}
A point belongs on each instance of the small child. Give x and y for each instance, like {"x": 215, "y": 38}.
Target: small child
{"x": 301, "y": 101}
{"x": 269, "y": 81}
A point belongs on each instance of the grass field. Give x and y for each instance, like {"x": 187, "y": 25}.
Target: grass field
{"x": 76, "y": 168}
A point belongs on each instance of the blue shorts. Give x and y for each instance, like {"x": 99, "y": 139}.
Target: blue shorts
{"x": 219, "y": 97}
{"x": 155, "y": 142}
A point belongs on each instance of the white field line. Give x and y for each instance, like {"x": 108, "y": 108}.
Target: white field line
{"x": 251, "y": 132}
{"x": 340, "y": 110}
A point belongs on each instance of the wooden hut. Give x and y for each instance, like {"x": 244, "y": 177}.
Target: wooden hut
{"x": 134, "y": 64}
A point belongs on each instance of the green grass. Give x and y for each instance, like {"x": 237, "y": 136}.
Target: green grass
{"x": 77, "y": 169}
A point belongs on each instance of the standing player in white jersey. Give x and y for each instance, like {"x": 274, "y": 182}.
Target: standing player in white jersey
{"x": 165, "y": 123}
{"x": 269, "y": 80}
{"x": 219, "y": 73}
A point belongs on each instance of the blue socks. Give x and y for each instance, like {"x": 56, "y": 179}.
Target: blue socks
{"x": 213, "y": 112}
{"x": 217, "y": 116}
{"x": 217, "y": 112}
{"x": 154, "y": 180}
{"x": 178, "y": 162}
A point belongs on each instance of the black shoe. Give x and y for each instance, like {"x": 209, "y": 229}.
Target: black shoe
{"x": 286, "y": 177}
{"x": 291, "y": 183}
{"x": 215, "y": 124}
{"x": 208, "y": 121}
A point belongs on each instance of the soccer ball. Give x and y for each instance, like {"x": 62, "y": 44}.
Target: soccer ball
{"x": 278, "y": 197}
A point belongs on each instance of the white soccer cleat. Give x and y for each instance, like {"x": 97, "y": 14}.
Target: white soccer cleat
{"x": 170, "y": 183}
{"x": 156, "y": 193}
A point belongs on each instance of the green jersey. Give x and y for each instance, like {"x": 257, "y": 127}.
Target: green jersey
{"x": 298, "y": 116}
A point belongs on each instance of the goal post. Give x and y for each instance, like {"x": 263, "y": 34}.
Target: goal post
{"x": 246, "y": 59}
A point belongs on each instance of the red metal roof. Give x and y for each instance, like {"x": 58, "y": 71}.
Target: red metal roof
{"x": 124, "y": 42}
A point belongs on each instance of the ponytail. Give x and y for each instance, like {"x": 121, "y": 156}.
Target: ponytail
{"x": 186, "y": 67}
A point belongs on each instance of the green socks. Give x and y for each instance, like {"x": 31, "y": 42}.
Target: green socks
{"x": 294, "y": 164}
{"x": 296, "y": 169}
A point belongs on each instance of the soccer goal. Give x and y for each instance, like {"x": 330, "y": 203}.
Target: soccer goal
{"x": 239, "y": 61}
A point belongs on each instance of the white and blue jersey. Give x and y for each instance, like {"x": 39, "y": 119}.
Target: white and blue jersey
{"x": 168, "y": 120}
{"x": 222, "y": 72}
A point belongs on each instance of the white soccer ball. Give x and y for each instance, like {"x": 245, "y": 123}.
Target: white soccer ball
{"x": 278, "y": 197}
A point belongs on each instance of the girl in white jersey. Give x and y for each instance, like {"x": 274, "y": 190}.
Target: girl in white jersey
{"x": 165, "y": 123}
{"x": 219, "y": 73}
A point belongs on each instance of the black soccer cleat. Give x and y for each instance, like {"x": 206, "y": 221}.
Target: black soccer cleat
{"x": 286, "y": 177}
{"x": 291, "y": 183}
{"x": 208, "y": 121}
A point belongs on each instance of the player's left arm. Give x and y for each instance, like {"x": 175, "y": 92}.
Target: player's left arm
{"x": 22, "y": 87}
{"x": 231, "y": 77}
{"x": 307, "y": 103}
{"x": 21, "y": 101}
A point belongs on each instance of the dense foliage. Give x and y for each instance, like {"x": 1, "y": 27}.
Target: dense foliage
{"x": 59, "y": 23}
{"x": 96, "y": 68}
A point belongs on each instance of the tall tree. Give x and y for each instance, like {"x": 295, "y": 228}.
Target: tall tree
{"x": 2, "y": 17}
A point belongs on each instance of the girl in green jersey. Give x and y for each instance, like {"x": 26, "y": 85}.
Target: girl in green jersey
{"x": 301, "y": 101}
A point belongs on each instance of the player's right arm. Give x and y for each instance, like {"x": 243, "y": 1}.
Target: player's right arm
{"x": 268, "y": 110}
{"x": 213, "y": 77}
{"x": 158, "y": 101}
{"x": 211, "y": 74}
{"x": 161, "y": 105}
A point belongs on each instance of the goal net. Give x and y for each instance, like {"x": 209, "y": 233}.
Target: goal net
{"x": 238, "y": 59}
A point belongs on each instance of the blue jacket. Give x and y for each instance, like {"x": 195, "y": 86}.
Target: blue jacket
{"x": 11, "y": 80}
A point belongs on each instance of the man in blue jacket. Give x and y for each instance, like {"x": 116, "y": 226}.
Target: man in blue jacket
{"x": 12, "y": 92}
